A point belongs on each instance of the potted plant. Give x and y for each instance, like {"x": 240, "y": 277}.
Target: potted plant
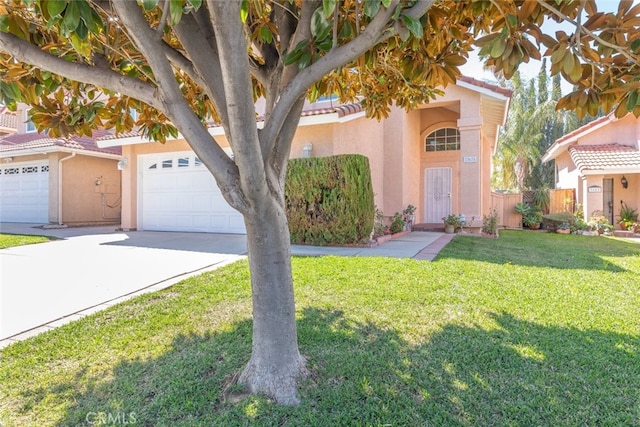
{"x": 452, "y": 222}
{"x": 627, "y": 216}
{"x": 532, "y": 219}
{"x": 599, "y": 223}
{"x": 409, "y": 216}
{"x": 563, "y": 228}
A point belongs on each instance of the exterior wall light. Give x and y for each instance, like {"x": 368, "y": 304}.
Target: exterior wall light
{"x": 624, "y": 182}
{"x": 122, "y": 163}
{"x": 306, "y": 150}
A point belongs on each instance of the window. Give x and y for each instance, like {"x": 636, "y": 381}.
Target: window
{"x": 166, "y": 164}
{"x": 446, "y": 139}
{"x": 30, "y": 126}
{"x": 183, "y": 162}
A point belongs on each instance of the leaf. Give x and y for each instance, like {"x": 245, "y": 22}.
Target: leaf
{"x": 632, "y": 100}
{"x": 328, "y": 6}
{"x": 296, "y": 53}
{"x": 414, "y": 25}
{"x": 320, "y": 25}
{"x": 244, "y": 11}
{"x": 498, "y": 47}
{"x": 71, "y": 16}
{"x": 196, "y": 4}
{"x": 55, "y": 7}
{"x": 149, "y": 4}
{"x": 371, "y": 8}
{"x": 175, "y": 11}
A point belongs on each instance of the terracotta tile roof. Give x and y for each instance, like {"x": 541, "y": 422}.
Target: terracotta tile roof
{"x": 35, "y": 140}
{"x": 495, "y": 88}
{"x": 605, "y": 157}
{"x": 8, "y": 119}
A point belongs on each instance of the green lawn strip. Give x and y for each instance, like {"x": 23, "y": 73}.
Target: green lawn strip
{"x": 491, "y": 333}
{"x": 11, "y": 240}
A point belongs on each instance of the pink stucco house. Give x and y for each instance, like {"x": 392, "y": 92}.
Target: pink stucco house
{"x": 48, "y": 180}
{"x": 436, "y": 157}
{"x": 601, "y": 161}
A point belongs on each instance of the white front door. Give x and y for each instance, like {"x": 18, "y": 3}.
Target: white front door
{"x": 178, "y": 193}
{"x": 24, "y": 192}
{"x": 437, "y": 200}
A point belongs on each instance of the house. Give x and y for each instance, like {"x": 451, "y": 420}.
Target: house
{"x": 48, "y": 180}
{"x": 601, "y": 161}
{"x": 436, "y": 157}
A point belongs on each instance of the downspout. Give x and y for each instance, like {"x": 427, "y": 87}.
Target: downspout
{"x": 60, "y": 185}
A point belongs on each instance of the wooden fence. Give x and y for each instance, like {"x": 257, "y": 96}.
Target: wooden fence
{"x": 504, "y": 204}
{"x": 563, "y": 200}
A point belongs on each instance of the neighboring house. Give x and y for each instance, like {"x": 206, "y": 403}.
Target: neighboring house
{"x": 601, "y": 161}
{"x": 48, "y": 180}
{"x": 436, "y": 157}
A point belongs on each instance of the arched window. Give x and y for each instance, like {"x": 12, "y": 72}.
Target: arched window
{"x": 445, "y": 139}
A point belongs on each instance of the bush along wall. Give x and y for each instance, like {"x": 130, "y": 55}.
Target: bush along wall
{"x": 329, "y": 200}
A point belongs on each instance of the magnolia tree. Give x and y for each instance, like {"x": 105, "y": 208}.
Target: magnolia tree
{"x": 184, "y": 64}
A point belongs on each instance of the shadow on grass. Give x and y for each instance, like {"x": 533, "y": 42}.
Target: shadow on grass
{"x": 538, "y": 249}
{"x": 515, "y": 373}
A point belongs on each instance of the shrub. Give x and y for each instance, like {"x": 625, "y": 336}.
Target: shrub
{"x": 329, "y": 200}
{"x": 552, "y": 221}
{"x": 397, "y": 223}
{"x": 490, "y": 222}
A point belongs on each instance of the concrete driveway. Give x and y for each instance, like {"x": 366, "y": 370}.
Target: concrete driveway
{"x": 46, "y": 285}
{"x": 90, "y": 268}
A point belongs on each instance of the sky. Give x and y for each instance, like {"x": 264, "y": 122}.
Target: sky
{"x": 473, "y": 67}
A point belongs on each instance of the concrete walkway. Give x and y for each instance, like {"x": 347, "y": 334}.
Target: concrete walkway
{"x": 90, "y": 268}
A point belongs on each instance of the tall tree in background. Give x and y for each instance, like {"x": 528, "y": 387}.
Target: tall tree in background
{"x": 553, "y": 126}
{"x": 183, "y": 63}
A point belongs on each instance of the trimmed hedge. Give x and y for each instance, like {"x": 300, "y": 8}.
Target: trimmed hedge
{"x": 553, "y": 220}
{"x": 329, "y": 200}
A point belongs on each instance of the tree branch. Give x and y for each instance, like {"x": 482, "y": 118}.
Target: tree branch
{"x": 590, "y": 33}
{"x": 176, "y": 108}
{"x": 377, "y": 31}
{"x": 98, "y": 76}
{"x": 236, "y": 79}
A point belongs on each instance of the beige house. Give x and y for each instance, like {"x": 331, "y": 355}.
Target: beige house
{"x": 48, "y": 180}
{"x": 601, "y": 161}
{"x": 436, "y": 157}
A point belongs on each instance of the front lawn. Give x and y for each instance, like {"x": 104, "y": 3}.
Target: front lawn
{"x": 10, "y": 240}
{"x": 530, "y": 329}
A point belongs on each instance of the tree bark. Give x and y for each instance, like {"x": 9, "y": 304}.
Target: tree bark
{"x": 276, "y": 364}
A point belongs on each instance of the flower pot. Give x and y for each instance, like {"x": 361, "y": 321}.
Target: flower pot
{"x": 449, "y": 228}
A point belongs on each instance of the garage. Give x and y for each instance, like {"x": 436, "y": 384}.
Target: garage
{"x": 24, "y": 192}
{"x": 178, "y": 193}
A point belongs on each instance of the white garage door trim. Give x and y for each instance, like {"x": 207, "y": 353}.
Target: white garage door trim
{"x": 24, "y": 192}
{"x": 176, "y": 192}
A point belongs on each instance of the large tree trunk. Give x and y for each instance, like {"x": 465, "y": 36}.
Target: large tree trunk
{"x": 276, "y": 364}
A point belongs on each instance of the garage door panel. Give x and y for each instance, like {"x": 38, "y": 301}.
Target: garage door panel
{"x": 24, "y": 192}
{"x": 179, "y": 194}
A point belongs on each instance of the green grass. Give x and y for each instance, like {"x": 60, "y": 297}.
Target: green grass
{"x": 531, "y": 329}
{"x": 10, "y": 240}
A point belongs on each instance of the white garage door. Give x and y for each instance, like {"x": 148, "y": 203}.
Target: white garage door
{"x": 178, "y": 193}
{"x": 24, "y": 192}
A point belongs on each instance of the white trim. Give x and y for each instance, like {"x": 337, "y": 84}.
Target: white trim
{"x": 57, "y": 149}
{"x": 483, "y": 90}
{"x": 319, "y": 119}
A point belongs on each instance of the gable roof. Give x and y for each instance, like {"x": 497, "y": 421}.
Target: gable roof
{"x": 565, "y": 141}
{"x": 34, "y": 142}
{"x": 596, "y": 159}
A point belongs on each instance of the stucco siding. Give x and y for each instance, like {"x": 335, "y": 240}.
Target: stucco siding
{"x": 90, "y": 191}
